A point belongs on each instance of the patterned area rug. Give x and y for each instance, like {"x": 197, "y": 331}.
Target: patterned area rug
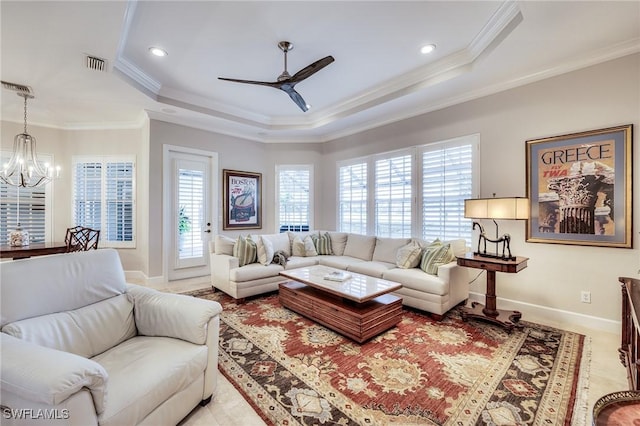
{"x": 296, "y": 372}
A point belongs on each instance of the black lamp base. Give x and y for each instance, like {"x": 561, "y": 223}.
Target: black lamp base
{"x": 494, "y": 256}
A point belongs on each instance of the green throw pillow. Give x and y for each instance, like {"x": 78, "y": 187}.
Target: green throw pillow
{"x": 434, "y": 256}
{"x": 322, "y": 243}
{"x": 245, "y": 250}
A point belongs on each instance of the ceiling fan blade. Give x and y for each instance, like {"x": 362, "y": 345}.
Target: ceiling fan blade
{"x": 295, "y": 96}
{"x": 275, "y": 84}
{"x": 309, "y": 70}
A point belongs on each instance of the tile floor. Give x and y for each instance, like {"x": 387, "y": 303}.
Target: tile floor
{"x": 228, "y": 408}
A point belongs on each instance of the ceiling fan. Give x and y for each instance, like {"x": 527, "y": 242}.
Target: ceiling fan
{"x": 286, "y": 82}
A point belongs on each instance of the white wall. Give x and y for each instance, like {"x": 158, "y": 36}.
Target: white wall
{"x": 597, "y": 97}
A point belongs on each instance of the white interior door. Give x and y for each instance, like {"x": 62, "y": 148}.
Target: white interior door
{"x": 189, "y": 221}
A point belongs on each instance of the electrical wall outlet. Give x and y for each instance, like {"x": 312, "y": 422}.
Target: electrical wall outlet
{"x": 585, "y": 297}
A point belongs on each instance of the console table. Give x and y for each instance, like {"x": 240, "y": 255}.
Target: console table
{"x": 489, "y": 311}
{"x": 33, "y": 249}
{"x": 630, "y": 346}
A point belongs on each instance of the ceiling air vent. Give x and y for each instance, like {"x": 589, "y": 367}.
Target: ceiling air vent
{"x": 20, "y": 88}
{"x": 95, "y": 63}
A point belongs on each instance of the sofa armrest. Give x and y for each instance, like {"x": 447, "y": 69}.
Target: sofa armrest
{"x": 172, "y": 315}
{"x": 44, "y": 375}
{"x": 221, "y": 266}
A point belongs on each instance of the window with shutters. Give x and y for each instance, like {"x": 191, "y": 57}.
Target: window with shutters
{"x": 448, "y": 178}
{"x": 30, "y": 207}
{"x": 352, "y": 197}
{"x": 415, "y": 192}
{"x": 393, "y": 197}
{"x": 294, "y": 195}
{"x": 104, "y": 198}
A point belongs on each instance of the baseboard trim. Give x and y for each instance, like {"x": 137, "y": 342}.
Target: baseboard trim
{"x": 553, "y": 317}
{"x": 139, "y": 276}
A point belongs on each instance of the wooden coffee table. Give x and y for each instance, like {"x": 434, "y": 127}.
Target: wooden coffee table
{"x": 359, "y": 308}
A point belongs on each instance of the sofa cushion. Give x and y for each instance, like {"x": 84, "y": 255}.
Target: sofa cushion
{"x": 338, "y": 262}
{"x": 224, "y": 245}
{"x": 360, "y": 246}
{"x": 309, "y": 246}
{"x": 386, "y": 249}
{"x": 146, "y": 371}
{"x": 372, "y": 268}
{"x": 87, "y": 331}
{"x": 322, "y": 243}
{"x": 292, "y": 236}
{"x": 434, "y": 256}
{"x": 295, "y": 262}
{"x": 417, "y": 279}
{"x": 245, "y": 250}
{"x": 338, "y": 242}
{"x": 280, "y": 242}
{"x": 254, "y": 271}
{"x": 265, "y": 250}
{"x": 409, "y": 256}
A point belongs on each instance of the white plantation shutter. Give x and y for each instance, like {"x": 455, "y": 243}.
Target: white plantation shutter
{"x": 393, "y": 198}
{"x": 294, "y": 196}
{"x": 190, "y": 189}
{"x": 352, "y": 198}
{"x": 35, "y": 215}
{"x": 447, "y": 180}
{"x": 119, "y": 201}
{"x": 104, "y": 198}
{"x": 32, "y": 215}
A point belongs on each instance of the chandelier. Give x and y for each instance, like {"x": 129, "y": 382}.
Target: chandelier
{"x": 24, "y": 169}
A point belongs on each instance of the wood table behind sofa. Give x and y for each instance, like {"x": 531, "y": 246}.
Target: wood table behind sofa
{"x": 359, "y": 308}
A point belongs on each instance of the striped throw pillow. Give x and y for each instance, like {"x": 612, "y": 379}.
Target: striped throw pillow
{"x": 408, "y": 256}
{"x": 436, "y": 255}
{"x": 245, "y": 250}
{"x": 322, "y": 243}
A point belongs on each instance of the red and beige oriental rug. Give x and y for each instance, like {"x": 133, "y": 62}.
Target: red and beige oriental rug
{"x": 422, "y": 372}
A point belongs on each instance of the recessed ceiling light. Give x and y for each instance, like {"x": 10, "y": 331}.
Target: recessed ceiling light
{"x": 427, "y": 48}
{"x": 157, "y": 51}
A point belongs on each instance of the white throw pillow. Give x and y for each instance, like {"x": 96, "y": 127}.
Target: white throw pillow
{"x": 265, "y": 250}
{"x": 297, "y": 247}
{"x": 309, "y": 247}
{"x": 409, "y": 256}
{"x": 224, "y": 245}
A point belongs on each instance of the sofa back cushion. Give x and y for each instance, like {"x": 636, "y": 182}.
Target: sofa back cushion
{"x": 280, "y": 242}
{"x": 58, "y": 283}
{"x": 386, "y": 249}
{"x": 87, "y": 331}
{"x": 360, "y": 246}
{"x": 338, "y": 242}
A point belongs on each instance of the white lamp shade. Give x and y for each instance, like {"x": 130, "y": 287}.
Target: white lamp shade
{"x": 497, "y": 208}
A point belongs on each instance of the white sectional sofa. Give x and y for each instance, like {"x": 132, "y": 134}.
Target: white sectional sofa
{"x": 435, "y": 293}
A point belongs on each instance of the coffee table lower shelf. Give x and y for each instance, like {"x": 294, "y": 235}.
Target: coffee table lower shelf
{"x": 357, "y": 321}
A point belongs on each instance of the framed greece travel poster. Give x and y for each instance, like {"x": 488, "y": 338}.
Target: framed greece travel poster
{"x": 242, "y": 200}
{"x": 579, "y": 187}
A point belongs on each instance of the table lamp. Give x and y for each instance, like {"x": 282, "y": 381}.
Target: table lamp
{"x": 512, "y": 208}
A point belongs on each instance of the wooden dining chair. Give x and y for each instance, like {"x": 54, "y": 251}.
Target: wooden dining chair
{"x": 80, "y": 238}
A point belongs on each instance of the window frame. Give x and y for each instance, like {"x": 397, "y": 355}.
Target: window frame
{"x": 294, "y": 167}
{"x": 368, "y": 202}
{"x": 104, "y": 160}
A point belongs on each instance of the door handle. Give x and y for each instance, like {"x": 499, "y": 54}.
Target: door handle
{"x": 208, "y": 231}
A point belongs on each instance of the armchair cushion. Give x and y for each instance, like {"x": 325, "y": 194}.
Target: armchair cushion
{"x": 49, "y": 376}
{"x": 172, "y": 315}
{"x": 87, "y": 331}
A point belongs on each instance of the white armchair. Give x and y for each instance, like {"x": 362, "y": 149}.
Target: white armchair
{"x": 82, "y": 347}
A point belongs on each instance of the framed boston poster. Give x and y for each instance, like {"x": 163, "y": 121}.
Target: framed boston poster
{"x": 242, "y": 200}
{"x": 579, "y": 187}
